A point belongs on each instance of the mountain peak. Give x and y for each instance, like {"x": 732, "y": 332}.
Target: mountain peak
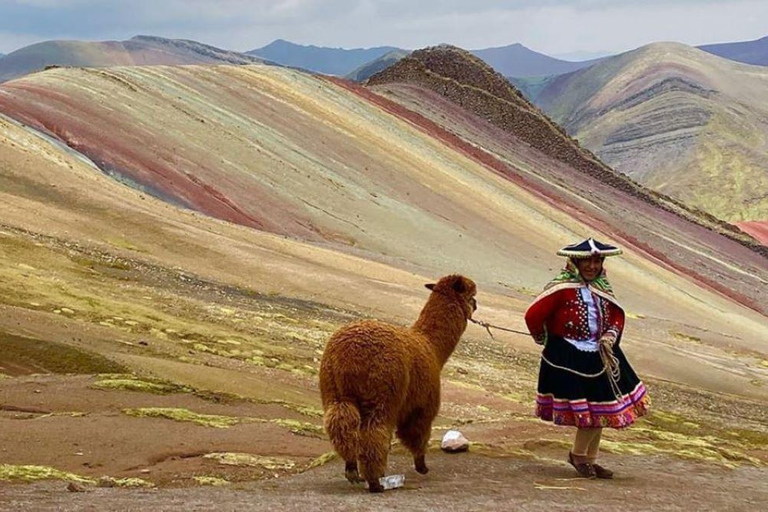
{"x": 749, "y": 52}
{"x": 139, "y": 50}
{"x": 513, "y": 46}
{"x": 677, "y": 106}
{"x": 331, "y": 61}
{"x": 665, "y": 46}
{"x": 463, "y": 79}
{"x": 519, "y": 61}
{"x": 452, "y": 63}
{"x": 281, "y": 42}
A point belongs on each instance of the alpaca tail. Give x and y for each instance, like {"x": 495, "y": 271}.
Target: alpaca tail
{"x": 342, "y": 423}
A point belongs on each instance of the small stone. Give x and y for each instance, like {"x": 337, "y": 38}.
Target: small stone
{"x": 75, "y": 487}
{"x": 454, "y": 441}
{"x": 106, "y": 481}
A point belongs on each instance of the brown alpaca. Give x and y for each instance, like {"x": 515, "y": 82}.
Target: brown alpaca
{"x": 376, "y": 377}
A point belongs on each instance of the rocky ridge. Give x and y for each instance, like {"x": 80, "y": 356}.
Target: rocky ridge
{"x": 470, "y": 83}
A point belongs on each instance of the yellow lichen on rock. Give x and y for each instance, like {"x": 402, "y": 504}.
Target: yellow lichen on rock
{"x": 29, "y": 473}
{"x": 247, "y": 459}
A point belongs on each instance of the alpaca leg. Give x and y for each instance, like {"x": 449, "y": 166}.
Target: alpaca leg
{"x": 348, "y": 452}
{"x": 414, "y": 434}
{"x": 350, "y": 471}
{"x": 342, "y": 421}
{"x": 373, "y": 452}
{"x": 347, "y": 449}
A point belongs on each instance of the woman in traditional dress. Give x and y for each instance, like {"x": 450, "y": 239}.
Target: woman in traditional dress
{"x": 584, "y": 379}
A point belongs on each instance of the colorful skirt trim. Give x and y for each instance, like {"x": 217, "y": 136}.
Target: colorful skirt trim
{"x": 585, "y": 414}
{"x": 566, "y": 396}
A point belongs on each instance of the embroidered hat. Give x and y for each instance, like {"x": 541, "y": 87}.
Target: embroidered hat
{"x": 588, "y": 248}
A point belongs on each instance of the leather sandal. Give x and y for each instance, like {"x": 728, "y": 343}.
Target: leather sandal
{"x": 601, "y": 472}
{"x": 584, "y": 469}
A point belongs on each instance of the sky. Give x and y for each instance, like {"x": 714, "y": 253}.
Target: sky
{"x": 555, "y": 27}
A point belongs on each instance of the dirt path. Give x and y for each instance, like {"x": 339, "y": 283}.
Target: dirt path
{"x": 456, "y": 482}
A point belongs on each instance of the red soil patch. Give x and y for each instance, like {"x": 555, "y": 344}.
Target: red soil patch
{"x": 756, "y": 229}
{"x": 130, "y": 152}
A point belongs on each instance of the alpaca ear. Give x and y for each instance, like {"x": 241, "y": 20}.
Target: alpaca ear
{"x": 430, "y": 286}
{"x": 458, "y": 286}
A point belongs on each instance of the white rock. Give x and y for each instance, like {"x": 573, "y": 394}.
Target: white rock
{"x": 454, "y": 441}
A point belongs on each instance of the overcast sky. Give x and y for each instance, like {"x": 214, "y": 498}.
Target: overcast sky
{"x": 555, "y": 27}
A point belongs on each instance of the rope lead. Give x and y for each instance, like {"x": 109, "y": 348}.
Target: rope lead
{"x": 488, "y": 328}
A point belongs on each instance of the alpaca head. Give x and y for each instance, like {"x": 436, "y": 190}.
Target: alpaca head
{"x": 457, "y": 287}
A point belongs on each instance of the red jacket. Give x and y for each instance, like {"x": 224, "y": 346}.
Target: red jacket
{"x": 562, "y": 312}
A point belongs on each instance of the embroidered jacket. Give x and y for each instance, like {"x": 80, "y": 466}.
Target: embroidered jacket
{"x": 564, "y": 310}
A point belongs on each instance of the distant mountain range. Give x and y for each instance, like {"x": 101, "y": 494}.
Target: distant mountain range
{"x": 139, "y": 50}
{"x": 358, "y": 64}
{"x": 579, "y": 56}
{"x": 369, "y": 69}
{"x": 514, "y": 61}
{"x": 518, "y": 61}
{"x": 330, "y": 61}
{"x": 749, "y": 52}
{"x": 677, "y": 119}
{"x": 526, "y": 68}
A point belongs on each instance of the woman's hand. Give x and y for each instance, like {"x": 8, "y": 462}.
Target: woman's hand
{"x": 608, "y": 339}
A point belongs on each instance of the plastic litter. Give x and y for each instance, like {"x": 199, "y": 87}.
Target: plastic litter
{"x": 392, "y": 481}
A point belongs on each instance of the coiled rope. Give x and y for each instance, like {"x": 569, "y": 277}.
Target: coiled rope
{"x": 609, "y": 359}
{"x": 611, "y": 367}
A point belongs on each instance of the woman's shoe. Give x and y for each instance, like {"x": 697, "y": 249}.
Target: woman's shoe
{"x": 584, "y": 469}
{"x": 601, "y": 472}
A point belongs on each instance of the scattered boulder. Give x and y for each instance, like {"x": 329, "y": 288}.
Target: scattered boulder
{"x": 454, "y": 441}
{"x": 75, "y": 487}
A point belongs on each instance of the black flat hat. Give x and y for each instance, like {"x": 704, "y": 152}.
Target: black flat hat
{"x": 588, "y": 248}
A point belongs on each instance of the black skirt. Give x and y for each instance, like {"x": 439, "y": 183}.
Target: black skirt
{"x": 575, "y": 390}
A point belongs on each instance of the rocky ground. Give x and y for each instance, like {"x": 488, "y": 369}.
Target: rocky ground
{"x": 174, "y": 420}
{"x": 467, "y": 481}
